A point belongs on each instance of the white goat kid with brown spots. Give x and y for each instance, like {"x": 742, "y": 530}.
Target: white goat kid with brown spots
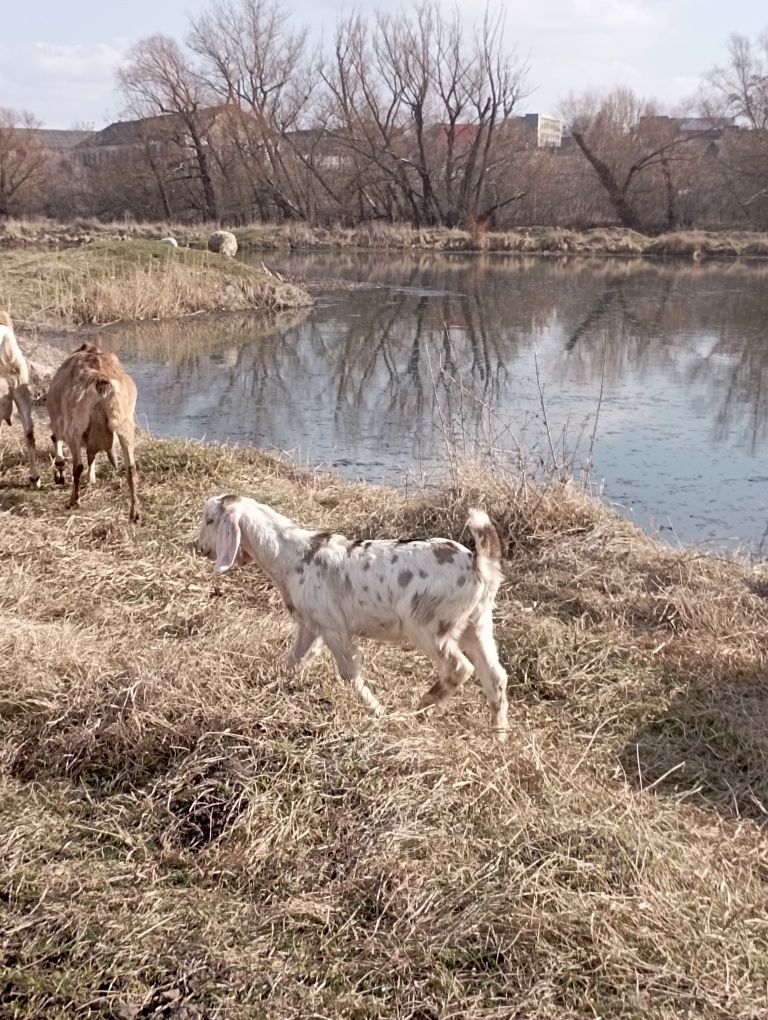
{"x": 14, "y": 372}
{"x": 436, "y": 595}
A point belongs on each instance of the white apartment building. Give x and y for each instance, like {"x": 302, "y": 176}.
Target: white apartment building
{"x": 548, "y": 129}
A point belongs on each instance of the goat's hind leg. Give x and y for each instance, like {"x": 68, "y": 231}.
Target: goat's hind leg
{"x": 77, "y": 470}
{"x": 23, "y": 400}
{"x": 90, "y": 453}
{"x": 347, "y": 656}
{"x": 478, "y": 644}
{"x": 58, "y": 460}
{"x": 126, "y": 439}
{"x": 111, "y": 457}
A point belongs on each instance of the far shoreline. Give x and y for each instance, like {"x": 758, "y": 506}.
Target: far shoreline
{"x": 613, "y": 242}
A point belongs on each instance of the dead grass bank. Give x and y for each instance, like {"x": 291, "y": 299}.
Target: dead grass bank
{"x": 616, "y": 241}
{"x": 108, "y": 281}
{"x": 189, "y": 832}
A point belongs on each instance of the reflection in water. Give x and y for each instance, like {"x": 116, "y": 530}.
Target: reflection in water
{"x": 433, "y": 353}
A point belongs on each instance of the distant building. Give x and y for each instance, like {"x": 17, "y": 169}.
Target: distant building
{"x": 124, "y": 136}
{"x": 713, "y": 127}
{"x": 544, "y": 128}
{"x": 61, "y": 147}
{"x": 57, "y": 141}
{"x": 321, "y": 147}
{"x": 463, "y": 135}
{"x": 531, "y": 131}
{"x": 165, "y": 133}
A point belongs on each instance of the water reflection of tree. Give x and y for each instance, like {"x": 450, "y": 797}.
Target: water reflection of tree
{"x": 437, "y": 336}
{"x": 657, "y": 319}
{"x": 385, "y": 354}
{"x": 184, "y": 341}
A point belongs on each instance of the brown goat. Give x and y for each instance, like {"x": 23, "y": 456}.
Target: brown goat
{"x": 14, "y": 372}
{"x": 90, "y": 401}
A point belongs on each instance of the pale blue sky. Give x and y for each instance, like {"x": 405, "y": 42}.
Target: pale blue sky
{"x": 58, "y": 59}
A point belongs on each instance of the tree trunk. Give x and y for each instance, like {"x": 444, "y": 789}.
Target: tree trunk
{"x": 616, "y": 194}
{"x": 671, "y": 218}
{"x": 209, "y": 195}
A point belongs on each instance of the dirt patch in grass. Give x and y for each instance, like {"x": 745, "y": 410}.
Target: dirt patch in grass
{"x": 189, "y": 831}
{"x": 108, "y": 281}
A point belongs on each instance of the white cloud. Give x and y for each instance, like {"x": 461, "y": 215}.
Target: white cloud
{"x": 77, "y": 62}
{"x": 599, "y": 44}
{"x": 588, "y": 17}
{"x": 571, "y": 45}
{"x": 62, "y": 85}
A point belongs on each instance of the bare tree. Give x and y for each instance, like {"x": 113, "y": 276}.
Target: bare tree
{"x": 742, "y": 84}
{"x": 260, "y": 68}
{"x": 739, "y": 91}
{"x": 23, "y": 160}
{"x": 632, "y": 151}
{"x": 158, "y": 78}
{"x": 424, "y": 103}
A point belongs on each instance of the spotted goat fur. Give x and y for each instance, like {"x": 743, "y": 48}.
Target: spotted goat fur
{"x": 435, "y": 595}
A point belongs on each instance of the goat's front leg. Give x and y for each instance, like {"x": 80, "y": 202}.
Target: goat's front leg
{"x": 454, "y": 669}
{"x": 347, "y": 656}
{"x": 306, "y": 645}
{"x": 23, "y": 400}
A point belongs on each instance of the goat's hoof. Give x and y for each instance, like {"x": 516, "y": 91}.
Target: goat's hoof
{"x": 35, "y": 483}
{"x": 59, "y": 479}
{"x": 134, "y": 518}
{"x": 73, "y": 504}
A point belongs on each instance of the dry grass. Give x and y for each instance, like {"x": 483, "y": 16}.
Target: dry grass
{"x": 109, "y": 281}
{"x": 615, "y": 241}
{"x": 190, "y": 832}
{"x": 543, "y": 241}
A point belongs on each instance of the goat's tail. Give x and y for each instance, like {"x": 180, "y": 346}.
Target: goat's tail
{"x": 106, "y": 386}
{"x": 488, "y": 551}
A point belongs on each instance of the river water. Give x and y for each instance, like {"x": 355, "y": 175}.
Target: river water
{"x": 654, "y": 376}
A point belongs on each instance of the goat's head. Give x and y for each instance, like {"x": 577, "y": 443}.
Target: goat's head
{"x": 220, "y": 537}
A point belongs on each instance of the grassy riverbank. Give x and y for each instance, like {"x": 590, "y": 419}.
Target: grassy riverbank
{"x": 616, "y": 241}
{"x": 110, "y": 280}
{"x": 190, "y": 832}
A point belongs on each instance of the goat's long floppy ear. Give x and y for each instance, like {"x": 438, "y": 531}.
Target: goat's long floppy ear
{"x": 228, "y": 538}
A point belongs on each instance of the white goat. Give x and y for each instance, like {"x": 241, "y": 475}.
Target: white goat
{"x": 14, "y": 372}
{"x": 436, "y": 595}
